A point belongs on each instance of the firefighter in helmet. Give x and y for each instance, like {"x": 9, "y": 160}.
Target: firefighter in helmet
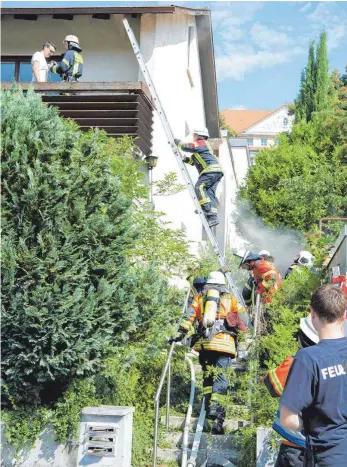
{"x": 302, "y": 259}
{"x": 217, "y": 314}
{"x": 248, "y": 291}
{"x": 210, "y": 172}
{"x": 71, "y": 66}
{"x": 266, "y": 277}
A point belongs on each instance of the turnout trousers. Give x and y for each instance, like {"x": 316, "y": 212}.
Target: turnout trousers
{"x": 205, "y": 190}
{"x": 215, "y": 386}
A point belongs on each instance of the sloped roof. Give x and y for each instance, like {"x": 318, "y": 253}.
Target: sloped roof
{"x": 240, "y": 120}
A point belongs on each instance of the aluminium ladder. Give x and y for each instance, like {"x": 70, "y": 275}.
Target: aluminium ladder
{"x": 178, "y": 156}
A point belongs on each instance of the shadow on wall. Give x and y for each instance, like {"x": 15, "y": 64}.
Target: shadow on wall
{"x": 47, "y": 452}
{"x": 282, "y": 243}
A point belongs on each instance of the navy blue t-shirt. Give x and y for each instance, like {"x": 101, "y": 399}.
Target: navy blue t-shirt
{"x": 317, "y": 388}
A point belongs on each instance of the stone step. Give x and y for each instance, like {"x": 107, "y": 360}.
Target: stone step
{"x": 203, "y": 455}
{"x": 177, "y": 421}
{"x": 207, "y": 441}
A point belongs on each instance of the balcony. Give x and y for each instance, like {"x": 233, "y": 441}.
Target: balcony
{"x": 119, "y": 108}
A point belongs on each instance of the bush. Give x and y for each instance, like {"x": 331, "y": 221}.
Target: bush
{"x": 67, "y": 291}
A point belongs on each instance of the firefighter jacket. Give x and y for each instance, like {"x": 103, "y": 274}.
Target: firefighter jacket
{"x": 224, "y": 341}
{"x": 293, "y": 267}
{"x": 275, "y": 381}
{"x": 267, "y": 279}
{"x": 202, "y": 158}
{"x": 71, "y": 65}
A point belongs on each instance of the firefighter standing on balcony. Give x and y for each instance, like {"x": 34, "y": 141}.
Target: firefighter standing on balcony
{"x": 71, "y": 66}
{"x": 267, "y": 278}
{"x": 217, "y": 314}
{"x": 210, "y": 172}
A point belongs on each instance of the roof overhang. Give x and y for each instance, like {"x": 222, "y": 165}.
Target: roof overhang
{"x": 204, "y": 35}
{"x": 140, "y": 10}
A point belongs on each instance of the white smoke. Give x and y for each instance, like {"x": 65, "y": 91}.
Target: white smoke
{"x": 282, "y": 243}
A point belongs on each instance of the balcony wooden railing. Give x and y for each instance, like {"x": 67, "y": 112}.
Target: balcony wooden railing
{"x": 119, "y": 108}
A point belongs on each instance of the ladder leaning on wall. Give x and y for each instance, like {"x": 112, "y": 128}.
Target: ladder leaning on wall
{"x": 183, "y": 169}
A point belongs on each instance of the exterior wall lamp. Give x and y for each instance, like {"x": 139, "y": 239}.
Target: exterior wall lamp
{"x": 151, "y": 161}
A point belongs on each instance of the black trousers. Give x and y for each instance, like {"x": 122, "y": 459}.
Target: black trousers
{"x": 289, "y": 456}
{"x": 205, "y": 190}
{"x": 215, "y": 384}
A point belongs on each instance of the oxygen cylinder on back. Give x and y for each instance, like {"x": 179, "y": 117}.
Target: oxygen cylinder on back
{"x": 211, "y": 308}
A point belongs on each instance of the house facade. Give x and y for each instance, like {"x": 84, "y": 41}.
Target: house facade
{"x": 177, "y": 46}
{"x": 259, "y": 127}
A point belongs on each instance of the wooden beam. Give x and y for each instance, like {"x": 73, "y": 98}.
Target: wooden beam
{"x": 137, "y": 87}
{"x": 63, "y": 16}
{"x": 26, "y": 17}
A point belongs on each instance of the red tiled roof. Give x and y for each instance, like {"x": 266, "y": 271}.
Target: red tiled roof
{"x": 240, "y": 120}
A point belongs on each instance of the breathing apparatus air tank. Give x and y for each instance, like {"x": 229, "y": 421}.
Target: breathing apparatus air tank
{"x": 211, "y": 308}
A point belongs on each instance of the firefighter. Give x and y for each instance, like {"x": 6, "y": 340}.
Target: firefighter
{"x": 266, "y": 277}
{"x": 210, "y": 172}
{"x": 71, "y": 66}
{"x": 302, "y": 259}
{"x": 248, "y": 291}
{"x": 292, "y": 449}
{"x": 217, "y": 314}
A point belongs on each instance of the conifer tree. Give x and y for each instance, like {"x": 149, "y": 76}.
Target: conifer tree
{"x": 322, "y": 85}
{"x": 300, "y": 103}
{"x": 66, "y": 287}
{"x": 310, "y": 82}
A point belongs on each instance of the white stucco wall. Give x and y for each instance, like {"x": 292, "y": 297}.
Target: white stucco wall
{"x": 164, "y": 45}
{"x": 107, "y": 53}
{"x": 271, "y": 125}
{"x": 257, "y": 142}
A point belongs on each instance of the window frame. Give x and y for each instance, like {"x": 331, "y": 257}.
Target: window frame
{"x": 252, "y": 141}
{"x": 261, "y": 142}
{"x": 285, "y": 121}
{"x": 18, "y": 59}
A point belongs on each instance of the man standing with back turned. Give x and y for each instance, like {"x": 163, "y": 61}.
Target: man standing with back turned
{"x": 315, "y": 395}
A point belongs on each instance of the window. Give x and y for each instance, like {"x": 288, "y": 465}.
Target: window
{"x": 277, "y": 142}
{"x": 18, "y": 68}
{"x": 250, "y": 141}
{"x": 285, "y": 121}
{"x": 264, "y": 141}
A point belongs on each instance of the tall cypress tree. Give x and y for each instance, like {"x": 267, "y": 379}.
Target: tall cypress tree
{"x": 66, "y": 290}
{"x": 300, "y": 103}
{"x": 322, "y": 85}
{"x": 310, "y": 82}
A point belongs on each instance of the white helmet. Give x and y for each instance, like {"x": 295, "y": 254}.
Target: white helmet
{"x": 264, "y": 252}
{"x": 201, "y": 131}
{"x": 309, "y": 332}
{"x": 305, "y": 258}
{"x": 216, "y": 277}
{"x": 71, "y": 38}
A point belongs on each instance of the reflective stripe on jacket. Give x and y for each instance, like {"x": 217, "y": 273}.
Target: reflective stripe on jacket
{"x": 223, "y": 341}
{"x": 202, "y": 158}
{"x": 275, "y": 381}
{"x": 267, "y": 278}
{"x": 70, "y": 66}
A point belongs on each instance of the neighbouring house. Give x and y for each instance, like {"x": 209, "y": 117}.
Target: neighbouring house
{"x": 260, "y": 127}
{"x": 177, "y": 46}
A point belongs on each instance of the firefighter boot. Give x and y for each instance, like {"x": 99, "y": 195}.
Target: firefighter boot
{"x": 217, "y": 427}
{"x": 216, "y": 410}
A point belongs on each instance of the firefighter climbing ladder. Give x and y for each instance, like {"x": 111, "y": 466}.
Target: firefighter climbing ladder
{"x": 177, "y": 153}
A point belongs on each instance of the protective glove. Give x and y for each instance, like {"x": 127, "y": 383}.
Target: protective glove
{"x": 51, "y": 64}
{"x": 178, "y": 338}
{"x": 177, "y": 141}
